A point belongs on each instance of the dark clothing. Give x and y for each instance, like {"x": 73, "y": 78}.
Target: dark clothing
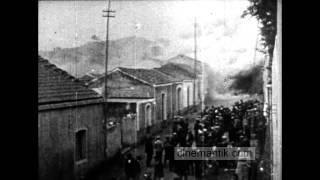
{"x": 253, "y": 171}
{"x": 167, "y": 149}
{"x": 149, "y": 151}
{"x": 158, "y": 145}
{"x": 198, "y": 169}
{"x": 190, "y": 138}
{"x": 158, "y": 171}
{"x": 181, "y": 168}
{"x": 149, "y": 159}
{"x": 196, "y": 128}
{"x": 149, "y": 146}
{"x": 132, "y": 168}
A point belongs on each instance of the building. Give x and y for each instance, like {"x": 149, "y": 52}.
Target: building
{"x": 185, "y": 91}
{"x": 149, "y": 92}
{"x": 71, "y": 138}
{"x": 128, "y": 95}
{"x": 276, "y": 99}
{"x": 273, "y": 101}
{"x": 200, "y": 71}
{"x": 89, "y": 77}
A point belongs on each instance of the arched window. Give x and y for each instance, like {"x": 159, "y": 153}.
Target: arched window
{"x": 163, "y": 106}
{"x": 179, "y": 98}
{"x": 148, "y": 115}
{"x": 188, "y": 96}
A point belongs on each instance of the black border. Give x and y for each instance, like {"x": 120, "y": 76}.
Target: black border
{"x": 19, "y": 83}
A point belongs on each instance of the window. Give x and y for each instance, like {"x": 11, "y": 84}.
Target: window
{"x": 148, "y": 116}
{"x": 164, "y": 106}
{"x": 81, "y": 145}
{"x": 188, "y": 97}
{"x": 179, "y": 98}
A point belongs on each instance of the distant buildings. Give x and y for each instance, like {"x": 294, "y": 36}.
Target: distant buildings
{"x": 185, "y": 91}
{"x": 199, "y": 70}
{"x": 76, "y": 131}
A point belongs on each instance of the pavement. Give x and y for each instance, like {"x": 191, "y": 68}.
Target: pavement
{"x": 115, "y": 171}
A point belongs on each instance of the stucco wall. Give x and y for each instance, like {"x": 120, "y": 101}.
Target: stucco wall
{"x": 117, "y": 138}
{"x": 168, "y": 91}
{"x": 185, "y": 93}
{"x": 56, "y": 141}
{"x": 113, "y": 141}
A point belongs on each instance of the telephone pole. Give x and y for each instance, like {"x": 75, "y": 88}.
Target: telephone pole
{"x": 108, "y": 16}
{"x": 195, "y": 61}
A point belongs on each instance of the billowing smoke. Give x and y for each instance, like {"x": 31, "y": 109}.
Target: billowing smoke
{"x": 248, "y": 81}
{"x": 225, "y": 89}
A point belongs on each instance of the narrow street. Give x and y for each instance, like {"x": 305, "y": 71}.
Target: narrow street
{"x": 116, "y": 170}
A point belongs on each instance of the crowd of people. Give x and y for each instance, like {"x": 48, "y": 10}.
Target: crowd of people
{"x": 215, "y": 127}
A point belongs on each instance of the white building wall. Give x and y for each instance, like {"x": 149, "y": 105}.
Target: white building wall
{"x": 277, "y": 99}
{"x": 185, "y": 86}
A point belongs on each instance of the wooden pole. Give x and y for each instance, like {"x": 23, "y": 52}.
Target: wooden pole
{"x": 195, "y": 61}
{"x": 108, "y": 11}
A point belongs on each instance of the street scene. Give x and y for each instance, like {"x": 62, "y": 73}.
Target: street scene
{"x": 144, "y": 90}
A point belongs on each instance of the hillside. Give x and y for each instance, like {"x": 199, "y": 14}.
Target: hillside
{"x": 125, "y": 52}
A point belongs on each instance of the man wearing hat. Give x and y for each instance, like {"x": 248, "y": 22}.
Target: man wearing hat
{"x": 158, "y": 145}
{"x": 196, "y": 128}
{"x": 168, "y": 151}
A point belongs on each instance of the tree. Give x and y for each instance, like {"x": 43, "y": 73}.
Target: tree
{"x": 266, "y": 13}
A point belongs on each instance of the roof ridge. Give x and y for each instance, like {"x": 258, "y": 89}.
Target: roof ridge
{"x": 185, "y": 56}
{"x": 132, "y": 75}
{"x": 179, "y": 67}
{"x": 56, "y": 84}
{"x": 166, "y": 74}
{"x": 55, "y": 68}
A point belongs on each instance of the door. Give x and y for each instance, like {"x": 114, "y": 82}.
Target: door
{"x": 179, "y": 94}
{"x": 148, "y": 116}
{"x": 163, "y": 107}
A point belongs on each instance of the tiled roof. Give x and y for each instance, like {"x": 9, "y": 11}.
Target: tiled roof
{"x": 86, "y": 78}
{"x": 122, "y": 86}
{"x": 55, "y": 85}
{"x": 129, "y": 93}
{"x": 177, "y": 71}
{"x": 187, "y": 62}
{"x": 150, "y": 76}
{"x": 118, "y": 87}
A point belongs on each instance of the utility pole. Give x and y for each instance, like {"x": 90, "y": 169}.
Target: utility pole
{"x": 195, "y": 61}
{"x": 108, "y": 11}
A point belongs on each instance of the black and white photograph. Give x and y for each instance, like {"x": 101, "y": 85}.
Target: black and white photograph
{"x": 159, "y": 89}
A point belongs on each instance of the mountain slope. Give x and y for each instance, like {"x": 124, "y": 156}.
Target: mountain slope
{"x": 126, "y": 52}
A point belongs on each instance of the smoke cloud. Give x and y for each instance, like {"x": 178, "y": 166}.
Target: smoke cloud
{"x": 248, "y": 81}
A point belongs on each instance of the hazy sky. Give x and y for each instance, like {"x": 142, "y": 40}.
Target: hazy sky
{"x": 225, "y": 40}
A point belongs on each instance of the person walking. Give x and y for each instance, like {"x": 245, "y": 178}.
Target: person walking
{"x": 198, "y": 169}
{"x": 158, "y": 170}
{"x": 149, "y": 150}
{"x": 158, "y": 145}
{"x": 132, "y": 168}
{"x": 167, "y": 150}
{"x": 196, "y": 128}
